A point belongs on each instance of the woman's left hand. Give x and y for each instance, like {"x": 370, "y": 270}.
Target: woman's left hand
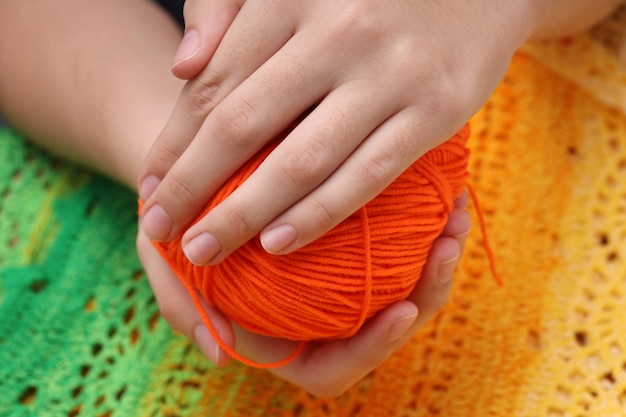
{"x": 323, "y": 369}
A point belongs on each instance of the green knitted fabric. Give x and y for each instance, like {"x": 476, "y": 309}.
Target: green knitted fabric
{"x": 79, "y": 327}
{"x": 80, "y": 332}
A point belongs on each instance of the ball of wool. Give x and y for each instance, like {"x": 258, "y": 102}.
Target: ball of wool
{"x": 329, "y": 288}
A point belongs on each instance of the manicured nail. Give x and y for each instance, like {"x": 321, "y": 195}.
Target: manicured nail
{"x": 462, "y": 236}
{"x": 147, "y": 187}
{"x": 202, "y": 249}
{"x": 156, "y": 223}
{"x": 188, "y": 48}
{"x": 446, "y": 270}
{"x": 279, "y": 238}
{"x": 400, "y": 327}
{"x": 208, "y": 346}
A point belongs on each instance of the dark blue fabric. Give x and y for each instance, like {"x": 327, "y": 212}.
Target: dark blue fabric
{"x": 174, "y": 8}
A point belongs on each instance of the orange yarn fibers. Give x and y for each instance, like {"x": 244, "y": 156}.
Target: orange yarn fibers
{"x": 329, "y": 288}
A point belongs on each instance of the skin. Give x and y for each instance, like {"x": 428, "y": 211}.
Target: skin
{"x": 125, "y": 100}
{"x": 390, "y": 80}
{"x": 323, "y": 369}
{"x": 261, "y": 77}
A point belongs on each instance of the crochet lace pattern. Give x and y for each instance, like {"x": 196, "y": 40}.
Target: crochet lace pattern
{"x": 80, "y": 333}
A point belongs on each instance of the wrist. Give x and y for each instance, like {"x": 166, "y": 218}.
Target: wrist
{"x": 126, "y": 152}
{"x": 131, "y": 127}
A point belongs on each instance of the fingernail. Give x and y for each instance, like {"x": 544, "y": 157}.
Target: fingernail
{"x": 202, "y": 249}
{"x": 400, "y": 327}
{"x": 147, "y": 187}
{"x": 156, "y": 223}
{"x": 463, "y": 235}
{"x": 208, "y": 346}
{"x": 446, "y": 270}
{"x": 188, "y": 48}
{"x": 279, "y": 238}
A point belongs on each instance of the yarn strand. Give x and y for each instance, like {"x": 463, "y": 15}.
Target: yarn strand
{"x": 367, "y": 293}
{"x": 195, "y": 297}
{"x": 483, "y": 228}
{"x": 328, "y": 289}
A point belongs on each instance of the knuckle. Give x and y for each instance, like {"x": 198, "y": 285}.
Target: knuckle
{"x": 322, "y": 216}
{"x": 176, "y": 191}
{"x": 304, "y": 166}
{"x": 237, "y": 123}
{"x": 238, "y": 223}
{"x": 164, "y": 155}
{"x": 205, "y": 93}
{"x": 236, "y": 120}
{"x": 375, "y": 170}
{"x": 360, "y": 18}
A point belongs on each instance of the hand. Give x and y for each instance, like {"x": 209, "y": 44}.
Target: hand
{"x": 387, "y": 81}
{"x": 323, "y": 369}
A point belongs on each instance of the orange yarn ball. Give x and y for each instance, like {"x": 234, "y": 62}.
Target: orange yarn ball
{"x": 329, "y": 288}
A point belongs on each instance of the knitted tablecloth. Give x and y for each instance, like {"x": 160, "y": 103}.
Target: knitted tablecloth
{"x": 80, "y": 332}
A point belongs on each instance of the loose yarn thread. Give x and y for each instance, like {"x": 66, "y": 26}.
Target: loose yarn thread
{"x": 329, "y": 288}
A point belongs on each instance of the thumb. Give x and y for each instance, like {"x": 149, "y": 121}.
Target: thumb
{"x": 206, "y": 22}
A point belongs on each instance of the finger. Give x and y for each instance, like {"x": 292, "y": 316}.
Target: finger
{"x": 328, "y": 369}
{"x": 384, "y": 155}
{"x": 333, "y": 367}
{"x": 263, "y": 349}
{"x": 231, "y": 135}
{"x": 177, "y": 307}
{"x": 459, "y": 223}
{"x": 432, "y": 290}
{"x": 309, "y": 154}
{"x": 205, "y": 338}
{"x": 205, "y": 25}
{"x": 241, "y": 51}
{"x": 170, "y": 294}
{"x": 462, "y": 201}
